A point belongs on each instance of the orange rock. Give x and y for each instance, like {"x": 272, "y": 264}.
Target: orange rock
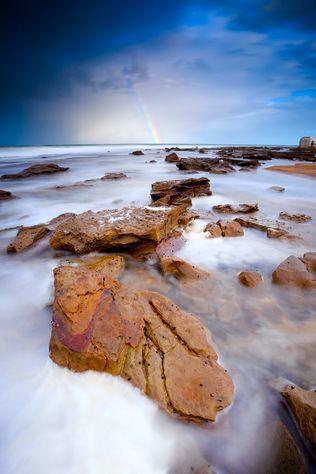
{"x": 230, "y": 228}
{"x": 213, "y": 230}
{"x": 181, "y": 269}
{"x": 296, "y": 271}
{"x": 175, "y": 191}
{"x": 109, "y": 229}
{"x": 101, "y": 324}
{"x": 250, "y": 278}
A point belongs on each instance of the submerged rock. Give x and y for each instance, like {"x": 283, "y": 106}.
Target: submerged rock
{"x": 28, "y": 236}
{"x": 215, "y": 165}
{"x": 137, "y": 153}
{"x": 172, "y": 158}
{"x": 115, "y": 228}
{"x": 213, "y": 230}
{"x": 298, "y": 218}
{"x": 36, "y": 170}
{"x": 100, "y": 324}
{"x": 6, "y": 195}
{"x": 181, "y": 269}
{"x": 114, "y": 176}
{"x": 278, "y": 189}
{"x": 302, "y": 404}
{"x": 179, "y": 190}
{"x": 250, "y": 278}
{"x": 295, "y": 271}
{"x": 232, "y": 209}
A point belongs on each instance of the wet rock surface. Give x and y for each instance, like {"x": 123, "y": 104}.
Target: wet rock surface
{"x": 181, "y": 269}
{"x": 179, "y": 191}
{"x": 250, "y": 278}
{"x": 6, "y": 195}
{"x": 298, "y": 218}
{"x": 210, "y": 165}
{"x": 114, "y": 228}
{"x": 137, "y": 153}
{"x": 236, "y": 209}
{"x": 36, "y": 170}
{"x": 295, "y": 271}
{"x": 172, "y": 158}
{"x": 224, "y": 229}
{"x": 100, "y": 324}
{"x": 114, "y": 176}
{"x": 302, "y": 404}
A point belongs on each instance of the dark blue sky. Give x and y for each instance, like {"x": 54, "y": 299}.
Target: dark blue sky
{"x": 173, "y": 71}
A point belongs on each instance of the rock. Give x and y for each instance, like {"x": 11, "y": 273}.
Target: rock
{"x": 211, "y": 165}
{"x": 113, "y": 228}
{"x": 213, "y": 230}
{"x": 224, "y": 229}
{"x": 278, "y": 189}
{"x": 308, "y": 169}
{"x": 230, "y": 228}
{"x": 100, "y": 324}
{"x": 250, "y": 278}
{"x": 114, "y": 176}
{"x": 174, "y": 192}
{"x": 28, "y": 236}
{"x": 302, "y": 404}
{"x": 170, "y": 245}
{"x": 297, "y": 272}
{"x": 172, "y": 158}
{"x": 240, "y": 208}
{"x": 307, "y": 142}
{"x": 5, "y": 195}
{"x": 137, "y": 153}
{"x": 298, "y": 218}
{"x": 276, "y": 233}
{"x": 181, "y": 269}
{"x": 36, "y": 170}
{"x": 153, "y": 161}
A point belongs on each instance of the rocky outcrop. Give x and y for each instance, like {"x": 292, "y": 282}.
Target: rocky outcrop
{"x": 28, "y": 236}
{"x": 278, "y": 189}
{"x": 215, "y": 165}
{"x": 299, "y": 168}
{"x": 295, "y": 271}
{"x": 298, "y": 218}
{"x": 113, "y": 228}
{"x": 232, "y": 209}
{"x": 224, "y": 229}
{"x": 172, "y": 158}
{"x": 6, "y": 195}
{"x": 36, "y": 170}
{"x": 274, "y": 229}
{"x": 181, "y": 269}
{"x": 250, "y": 278}
{"x": 302, "y": 404}
{"x": 114, "y": 176}
{"x": 179, "y": 191}
{"x": 137, "y": 153}
{"x": 100, "y": 324}
{"x": 277, "y": 233}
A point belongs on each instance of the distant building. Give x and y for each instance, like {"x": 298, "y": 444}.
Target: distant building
{"x": 307, "y": 142}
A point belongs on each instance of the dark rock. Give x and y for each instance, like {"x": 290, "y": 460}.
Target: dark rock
{"x": 36, "y": 170}
{"x": 298, "y": 218}
{"x": 137, "y": 153}
{"x": 173, "y": 192}
{"x": 232, "y": 209}
{"x": 6, "y": 195}
{"x": 114, "y": 176}
{"x": 172, "y": 158}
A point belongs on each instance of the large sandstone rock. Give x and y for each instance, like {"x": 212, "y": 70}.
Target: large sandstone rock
{"x": 216, "y": 166}
{"x": 28, "y": 236}
{"x": 296, "y": 271}
{"x": 100, "y": 324}
{"x": 109, "y": 229}
{"x": 240, "y": 208}
{"x": 302, "y": 404}
{"x": 177, "y": 191}
{"x": 36, "y": 170}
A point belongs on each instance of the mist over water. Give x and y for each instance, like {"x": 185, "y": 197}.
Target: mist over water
{"x": 56, "y": 421}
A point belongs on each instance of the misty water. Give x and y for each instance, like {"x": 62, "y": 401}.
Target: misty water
{"x": 56, "y": 421}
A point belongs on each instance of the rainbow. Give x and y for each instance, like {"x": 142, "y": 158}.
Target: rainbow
{"x": 152, "y": 127}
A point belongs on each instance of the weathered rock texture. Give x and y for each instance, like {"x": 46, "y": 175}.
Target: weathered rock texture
{"x": 109, "y": 229}
{"x": 181, "y": 269}
{"x": 298, "y": 218}
{"x": 36, "y": 170}
{"x": 216, "y": 166}
{"x": 28, "y": 236}
{"x": 178, "y": 191}
{"x": 302, "y": 404}
{"x": 100, "y": 324}
{"x": 274, "y": 229}
{"x": 250, "y": 278}
{"x": 240, "y": 208}
{"x": 295, "y": 271}
{"x": 114, "y": 176}
{"x": 224, "y": 229}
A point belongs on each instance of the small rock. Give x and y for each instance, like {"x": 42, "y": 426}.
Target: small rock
{"x": 250, "y": 278}
{"x": 276, "y": 233}
{"x": 175, "y": 191}
{"x": 278, "y": 189}
{"x": 114, "y": 176}
{"x": 181, "y": 269}
{"x": 213, "y": 230}
{"x": 172, "y": 158}
{"x": 5, "y": 195}
{"x": 240, "y": 208}
{"x": 230, "y": 228}
{"x": 298, "y": 218}
{"x": 137, "y": 153}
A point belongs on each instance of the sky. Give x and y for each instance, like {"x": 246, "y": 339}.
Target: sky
{"x": 167, "y": 71}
